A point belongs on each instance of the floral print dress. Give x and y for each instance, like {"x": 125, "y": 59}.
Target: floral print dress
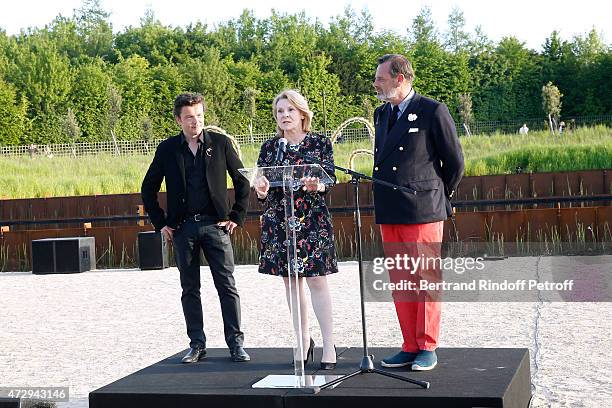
{"x": 316, "y": 253}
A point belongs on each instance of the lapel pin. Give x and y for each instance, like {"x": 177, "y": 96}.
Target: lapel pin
{"x": 412, "y": 117}
{"x": 209, "y": 152}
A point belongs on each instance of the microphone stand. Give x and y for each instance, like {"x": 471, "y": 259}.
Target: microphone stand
{"x": 367, "y": 365}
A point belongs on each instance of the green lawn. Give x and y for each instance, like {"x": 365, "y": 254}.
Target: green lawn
{"x": 582, "y": 149}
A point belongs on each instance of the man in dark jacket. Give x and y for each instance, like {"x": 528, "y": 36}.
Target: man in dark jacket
{"x": 416, "y": 147}
{"x": 195, "y": 164}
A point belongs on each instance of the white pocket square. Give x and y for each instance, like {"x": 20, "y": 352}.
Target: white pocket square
{"x": 413, "y": 130}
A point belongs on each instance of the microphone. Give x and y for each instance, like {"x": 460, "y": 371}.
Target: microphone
{"x": 282, "y": 148}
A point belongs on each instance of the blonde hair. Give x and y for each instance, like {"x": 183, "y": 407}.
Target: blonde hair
{"x": 297, "y": 100}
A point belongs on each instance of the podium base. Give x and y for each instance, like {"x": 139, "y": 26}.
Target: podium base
{"x": 309, "y": 383}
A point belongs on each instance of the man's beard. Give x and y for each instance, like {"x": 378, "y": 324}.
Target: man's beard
{"x": 385, "y": 96}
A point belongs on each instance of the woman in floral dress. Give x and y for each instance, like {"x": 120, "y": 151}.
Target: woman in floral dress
{"x": 316, "y": 254}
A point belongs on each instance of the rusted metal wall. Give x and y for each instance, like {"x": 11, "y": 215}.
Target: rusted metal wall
{"x": 117, "y": 246}
{"x": 535, "y": 185}
{"x": 71, "y": 207}
{"x": 471, "y": 188}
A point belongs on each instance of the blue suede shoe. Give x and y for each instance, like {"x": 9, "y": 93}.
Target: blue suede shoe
{"x": 401, "y": 359}
{"x": 425, "y": 360}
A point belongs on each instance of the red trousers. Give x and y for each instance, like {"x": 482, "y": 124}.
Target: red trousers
{"x": 419, "y": 320}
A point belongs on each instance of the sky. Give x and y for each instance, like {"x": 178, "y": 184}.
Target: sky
{"x": 531, "y": 21}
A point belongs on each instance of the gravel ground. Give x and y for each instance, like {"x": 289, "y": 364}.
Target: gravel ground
{"x": 86, "y": 330}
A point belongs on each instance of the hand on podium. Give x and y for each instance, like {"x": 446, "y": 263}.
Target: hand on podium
{"x": 261, "y": 185}
{"x": 312, "y": 184}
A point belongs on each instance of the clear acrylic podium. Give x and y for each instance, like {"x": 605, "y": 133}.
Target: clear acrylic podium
{"x": 289, "y": 178}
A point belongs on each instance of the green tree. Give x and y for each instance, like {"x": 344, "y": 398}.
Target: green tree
{"x": 71, "y": 129}
{"x": 504, "y": 82}
{"x": 167, "y": 83}
{"x": 587, "y": 48}
{"x": 349, "y": 43}
{"x": 438, "y": 73}
{"x": 551, "y": 104}
{"x": 523, "y": 76}
{"x": 195, "y": 39}
{"x": 4, "y": 44}
{"x": 152, "y": 40}
{"x": 249, "y": 96}
{"x": 578, "y": 68}
{"x": 248, "y": 36}
{"x": 210, "y": 76}
{"x": 590, "y": 51}
{"x": 133, "y": 79}
{"x": 465, "y": 112}
{"x": 94, "y": 29}
{"x": 599, "y": 89}
{"x": 269, "y": 84}
{"x": 146, "y": 125}
{"x": 560, "y": 65}
{"x": 423, "y": 29}
{"x": 71, "y": 126}
{"x": 292, "y": 42}
{"x": 89, "y": 98}
{"x": 113, "y": 114}
{"x": 247, "y": 77}
{"x": 322, "y": 90}
{"x": 40, "y": 73}
{"x": 13, "y": 119}
{"x": 78, "y": 63}
{"x": 553, "y": 47}
{"x": 457, "y": 39}
{"x": 479, "y": 43}
{"x": 63, "y": 32}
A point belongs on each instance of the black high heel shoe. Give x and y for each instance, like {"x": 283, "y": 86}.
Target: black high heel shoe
{"x": 330, "y": 366}
{"x": 309, "y": 353}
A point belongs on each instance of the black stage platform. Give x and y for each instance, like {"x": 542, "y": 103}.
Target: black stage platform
{"x": 464, "y": 377}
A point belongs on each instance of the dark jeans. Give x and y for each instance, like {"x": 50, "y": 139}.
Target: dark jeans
{"x": 217, "y": 248}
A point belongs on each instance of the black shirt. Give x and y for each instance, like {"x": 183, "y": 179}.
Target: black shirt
{"x": 198, "y": 194}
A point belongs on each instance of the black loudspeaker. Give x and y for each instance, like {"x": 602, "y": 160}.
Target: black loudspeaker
{"x": 9, "y": 402}
{"x": 152, "y": 250}
{"x": 63, "y": 255}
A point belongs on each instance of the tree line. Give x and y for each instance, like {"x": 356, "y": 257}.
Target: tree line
{"x": 77, "y": 80}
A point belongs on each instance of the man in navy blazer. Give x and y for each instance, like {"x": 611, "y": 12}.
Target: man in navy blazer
{"x": 195, "y": 164}
{"x": 416, "y": 147}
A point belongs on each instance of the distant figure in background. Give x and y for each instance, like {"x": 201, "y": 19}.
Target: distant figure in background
{"x": 561, "y": 127}
{"x": 32, "y": 150}
{"x": 524, "y": 129}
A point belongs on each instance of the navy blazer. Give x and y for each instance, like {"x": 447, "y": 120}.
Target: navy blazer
{"x": 421, "y": 152}
{"x": 220, "y": 158}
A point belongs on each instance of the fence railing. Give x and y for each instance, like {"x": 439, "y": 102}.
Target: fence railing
{"x": 123, "y": 147}
{"x": 534, "y": 124}
{"x": 132, "y": 147}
